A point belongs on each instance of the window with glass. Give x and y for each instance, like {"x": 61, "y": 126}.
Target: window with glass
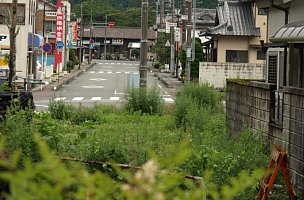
{"x": 261, "y": 55}
{"x": 237, "y": 56}
{"x": 262, "y": 11}
{"x": 50, "y": 26}
{"x": 4, "y": 10}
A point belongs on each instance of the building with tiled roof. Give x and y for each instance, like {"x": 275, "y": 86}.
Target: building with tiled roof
{"x": 118, "y": 39}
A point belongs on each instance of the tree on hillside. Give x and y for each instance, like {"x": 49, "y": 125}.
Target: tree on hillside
{"x": 13, "y": 32}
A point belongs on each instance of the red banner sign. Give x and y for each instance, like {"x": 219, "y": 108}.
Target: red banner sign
{"x": 59, "y": 34}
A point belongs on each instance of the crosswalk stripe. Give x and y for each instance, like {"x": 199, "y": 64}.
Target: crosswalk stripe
{"x": 96, "y": 98}
{"x": 114, "y": 98}
{"x": 100, "y": 72}
{"x": 59, "y": 99}
{"x": 77, "y": 98}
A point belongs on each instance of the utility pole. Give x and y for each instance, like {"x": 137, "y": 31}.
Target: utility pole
{"x": 193, "y": 31}
{"x": 81, "y": 31}
{"x": 105, "y": 40}
{"x": 188, "y": 51}
{"x": 172, "y": 31}
{"x": 144, "y": 44}
{"x": 162, "y": 5}
{"x": 90, "y": 50}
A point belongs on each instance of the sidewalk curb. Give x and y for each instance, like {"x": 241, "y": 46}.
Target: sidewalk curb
{"x": 65, "y": 80}
{"x": 169, "y": 82}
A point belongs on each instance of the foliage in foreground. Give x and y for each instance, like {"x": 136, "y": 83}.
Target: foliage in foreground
{"x": 51, "y": 179}
{"x": 110, "y": 134}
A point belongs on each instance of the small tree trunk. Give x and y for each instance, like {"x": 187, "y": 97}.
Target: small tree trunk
{"x": 12, "y": 22}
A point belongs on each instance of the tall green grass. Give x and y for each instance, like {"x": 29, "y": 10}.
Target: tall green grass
{"x": 144, "y": 100}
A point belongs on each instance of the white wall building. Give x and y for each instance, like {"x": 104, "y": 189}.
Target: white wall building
{"x": 25, "y": 20}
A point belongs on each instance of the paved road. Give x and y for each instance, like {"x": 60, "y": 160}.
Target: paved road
{"x": 106, "y": 82}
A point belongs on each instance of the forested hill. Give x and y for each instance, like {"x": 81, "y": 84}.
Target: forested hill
{"x": 123, "y": 12}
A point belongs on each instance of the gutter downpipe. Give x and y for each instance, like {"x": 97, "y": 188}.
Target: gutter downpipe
{"x": 285, "y": 10}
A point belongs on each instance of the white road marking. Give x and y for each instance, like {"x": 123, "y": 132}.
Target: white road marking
{"x": 114, "y": 98}
{"x": 59, "y": 99}
{"x": 77, "y": 98}
{"x": 109, "y": 72}
{"x": 96, "y": 98}
{"x": 135, "y": 73}
{"x": 169, "y": 100}
{"x": 127, "y": 72}
{"x": 92, "y": 72}
{"x": 98, "y": 79}
{"x": 101, "y": 72}
{"x": 118, "y": 72}
{"x": 92, "y": 86}
{"x": 44, "y": 106}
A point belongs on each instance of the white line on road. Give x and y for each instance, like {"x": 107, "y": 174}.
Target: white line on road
{"x": 114, "y": 98}
{"x": 109, "y": 72}
{"x": 92, "y": 86}
{"x": 44, "y": 106}
{"x": 59, "y": 99}
{"x": 101, "y": 72}
{"x": 118, "y": 72}
{"x": 92, "y": 72}
{"x": 98, "y": 79}
{"x": 77, "y": 98}
{"x": 96, "y": 98}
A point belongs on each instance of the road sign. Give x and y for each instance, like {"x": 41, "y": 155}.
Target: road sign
{"x": 111, "y": 24}
{"x": 47, "y": 47}
{"x": 59, "y": 44}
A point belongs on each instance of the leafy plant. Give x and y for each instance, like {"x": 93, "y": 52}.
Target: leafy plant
{"x": 144, "y": 100}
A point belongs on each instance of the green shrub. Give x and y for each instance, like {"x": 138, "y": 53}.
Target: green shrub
{"x": 156, "y": 64}
{"x": 144, "y": 100}
{"x": 60, "y": 110}
{"x": 203, "y": 94}
{"x": 70, "y": 65}
{"x": 16, "y": 128}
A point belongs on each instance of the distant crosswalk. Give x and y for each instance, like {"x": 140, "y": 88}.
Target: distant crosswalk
{"x": 166, "y": 98}
{"x": 111, "y": 72}
{"x": 119, "y": 63}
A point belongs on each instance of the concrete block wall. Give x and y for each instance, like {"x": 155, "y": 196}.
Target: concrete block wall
{"x": 293, "y": 128}
{"x": 250, "y": 103}
{"x": 217, "y": 73}
{"x": 238, "y": 106}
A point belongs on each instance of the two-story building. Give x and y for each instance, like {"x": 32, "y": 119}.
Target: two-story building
{"x": 234, "y": 49}
{"x": 25, "y": 21}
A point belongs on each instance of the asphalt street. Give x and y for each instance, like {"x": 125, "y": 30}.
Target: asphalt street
{"x": 105, "y": 82}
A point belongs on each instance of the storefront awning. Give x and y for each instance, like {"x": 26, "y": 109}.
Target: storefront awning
{"x": 38, "y": 40}
{"x": 292, "y": 32}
